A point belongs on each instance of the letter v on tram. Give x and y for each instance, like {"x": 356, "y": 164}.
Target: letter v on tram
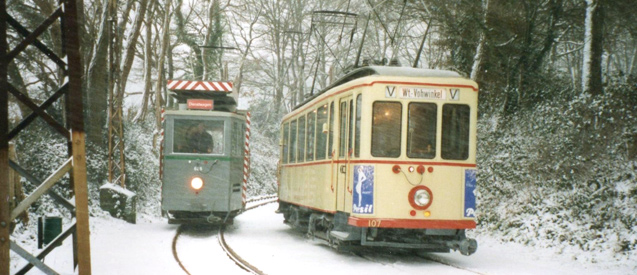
{"x": 385, "y": 157}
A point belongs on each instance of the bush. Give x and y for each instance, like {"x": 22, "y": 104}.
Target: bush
{"x": 562, "y": 174}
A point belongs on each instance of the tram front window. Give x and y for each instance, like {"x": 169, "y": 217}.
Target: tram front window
{"x": 198, "y": 136}
{"x": 421, "y": 136}
{"x": 386, "y": 123}
{"x": 456, "y": 121}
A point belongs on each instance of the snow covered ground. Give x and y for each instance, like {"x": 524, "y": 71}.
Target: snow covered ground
{"x": 261, "y": 238}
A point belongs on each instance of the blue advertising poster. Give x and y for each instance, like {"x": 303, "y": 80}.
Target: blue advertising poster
{"x": 363, "y": 193}
{"x": 470, "y": 193}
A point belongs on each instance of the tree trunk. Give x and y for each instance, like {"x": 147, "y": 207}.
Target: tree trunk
{"x": 478, "y": 60}
{"x": 165, "y": 44}
{"x": 129, "y": 53}
{"x": 592, "y": 65}
{"x": 97, "y": 85}
{"x": 148, "y": 62}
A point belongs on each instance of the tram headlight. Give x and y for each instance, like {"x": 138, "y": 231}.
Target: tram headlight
{"x": 420, "y": 197}
{"x": 196, "y": 183}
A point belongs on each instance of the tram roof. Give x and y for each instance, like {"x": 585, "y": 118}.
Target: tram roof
{"x": 384, "y": 71}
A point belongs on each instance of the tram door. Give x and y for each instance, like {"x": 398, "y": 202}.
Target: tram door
{"x": 344, "y": 153}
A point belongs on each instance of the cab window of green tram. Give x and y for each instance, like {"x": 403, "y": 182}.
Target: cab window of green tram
{"x": 421, "y": 133}
{"x": 293, "y": 141}
{"x": 194, "y": 136}
{"x": 386, "y": 134}
{"x": 321, "y": 137}
{"x": 237, "y": 140}
{"x": 455, "y": 131}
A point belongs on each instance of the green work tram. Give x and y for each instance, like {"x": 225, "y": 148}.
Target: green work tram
{"x": 204, "y": 162}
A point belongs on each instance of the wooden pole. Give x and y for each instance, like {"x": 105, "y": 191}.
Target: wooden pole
{"x": 4, "y": 146}
{"x": 76, "y": 123}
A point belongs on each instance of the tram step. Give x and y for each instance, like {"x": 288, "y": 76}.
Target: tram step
{"x": 343, "y": 236}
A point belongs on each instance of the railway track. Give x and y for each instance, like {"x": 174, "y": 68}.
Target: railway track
{"x": 440, "y": 261}
{"x": 384, "y": 259}
{"x": 243, "y": 264}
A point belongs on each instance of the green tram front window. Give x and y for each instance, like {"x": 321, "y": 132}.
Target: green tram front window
{"x": 421, "y": 134}
{"x": 386, "y": 122}
{"x": 196, "y": 136}
{"x": 455, "y": 131}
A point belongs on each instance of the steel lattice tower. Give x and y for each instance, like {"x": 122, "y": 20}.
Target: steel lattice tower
{"x": 116, "y": 159}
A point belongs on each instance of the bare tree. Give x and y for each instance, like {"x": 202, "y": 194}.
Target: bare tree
{"x": 479, "y": 59}
{"x": 165, "y": 44}
{"x": 592, "y": 64}
{"x": 148, "y": 61}
{"x": 129, "y": 52}
{"x": 97, "y": 85}
{"x": 244, "y": 38}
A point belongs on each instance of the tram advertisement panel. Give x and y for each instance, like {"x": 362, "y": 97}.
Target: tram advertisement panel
{"x": 469, "y": 193}
{"x": 363, "y": 195}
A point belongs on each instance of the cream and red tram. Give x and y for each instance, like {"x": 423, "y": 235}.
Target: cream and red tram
{"x": 385, "y": 156}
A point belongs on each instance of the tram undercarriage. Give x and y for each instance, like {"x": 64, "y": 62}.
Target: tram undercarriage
{"x": 187, "y": 217}
{"x": 334, "y": 229}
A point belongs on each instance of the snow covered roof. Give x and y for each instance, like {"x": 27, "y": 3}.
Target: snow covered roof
{"x": 384, "y": 71}
{"x": 411, "y": 72}
{"x": 391, "y": 71}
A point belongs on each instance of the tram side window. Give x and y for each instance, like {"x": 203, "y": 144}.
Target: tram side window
{"x": 284, "y": 146}
{"x": 331, "y": 130}
{"x": 311, "y": 130}
{"x": 455, "y": 131}
{"x": 196, "y": 136}
{"x": 301, "y": 142}
{"x": 321, "y": 137}
{"x": 386, "y": 134}
{"x": 239, "y": 138}
{"x": 293, "y": 141}
{"x": 343, "y": 133}
{"x": 236, "y": 138}
{"x": 421, "y": 131}
{"x": 351, "y": 128}
{"x": 359, "y": 105}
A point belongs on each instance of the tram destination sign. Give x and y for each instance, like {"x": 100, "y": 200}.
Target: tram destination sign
{"x": 422, "y": 93}
{"x": 200, "y": 104}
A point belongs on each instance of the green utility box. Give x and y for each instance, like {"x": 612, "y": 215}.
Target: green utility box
{"x": 49, "y": 228}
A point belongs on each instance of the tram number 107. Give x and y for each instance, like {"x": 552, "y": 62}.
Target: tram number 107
{"x": 373, "y": 223}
